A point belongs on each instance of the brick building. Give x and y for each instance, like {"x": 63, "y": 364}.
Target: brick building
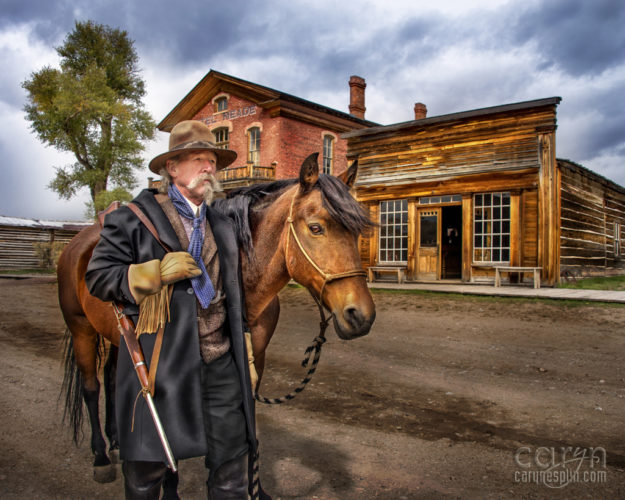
{"x": 271, "y": 131}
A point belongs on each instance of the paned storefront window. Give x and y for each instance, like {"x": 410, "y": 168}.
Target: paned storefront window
{"x": 393, "y": 245}
{"x": 491, "y": 227}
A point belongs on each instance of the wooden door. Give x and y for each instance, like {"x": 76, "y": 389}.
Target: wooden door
{"x": 428, "y": 243}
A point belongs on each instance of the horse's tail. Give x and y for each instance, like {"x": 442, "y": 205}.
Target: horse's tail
{"x": 72, "y": 388}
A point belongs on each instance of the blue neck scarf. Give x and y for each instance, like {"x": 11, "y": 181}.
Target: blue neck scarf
{"x": 202, "y": 285}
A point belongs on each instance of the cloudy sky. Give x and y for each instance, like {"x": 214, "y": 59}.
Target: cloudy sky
{"x": 453, "y": 55}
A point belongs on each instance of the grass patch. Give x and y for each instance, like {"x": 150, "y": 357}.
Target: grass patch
{"x": 596, "y": 283}
{"x": 467, "y": 297}
{"x": 494, "y": 298}
{"x": 19, "y": 272}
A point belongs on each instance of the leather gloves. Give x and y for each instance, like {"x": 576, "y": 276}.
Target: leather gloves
{"x": 177, "y": 266}
{"x": 149, "y": 277}
{"x": 250, "y": 360}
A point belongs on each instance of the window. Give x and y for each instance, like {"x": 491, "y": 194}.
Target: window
{"x": 491, "y": 227}
{"x": 617, "y": 239}
{"x": 221, "y": 104}
{"x": 328, "y": 151}
{"x": 431, "y": 200}
{"x": 253, "y": 150}
{"x": 222, "y": 137}
{"x": 393, "y": 231}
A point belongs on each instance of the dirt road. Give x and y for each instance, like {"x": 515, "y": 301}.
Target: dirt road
{"x": 447, "y": 397}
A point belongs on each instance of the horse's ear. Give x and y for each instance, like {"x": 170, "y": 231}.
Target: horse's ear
{"x": 309, "y": 172}
{"x": 349, "y": 175}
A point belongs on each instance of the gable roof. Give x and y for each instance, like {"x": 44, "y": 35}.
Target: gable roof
{"x": 277, "y": 102}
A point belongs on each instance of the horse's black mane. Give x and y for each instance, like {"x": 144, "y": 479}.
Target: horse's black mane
{"x": 335, "y": 196}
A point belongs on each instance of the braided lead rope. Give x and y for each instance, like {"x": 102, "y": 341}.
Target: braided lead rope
{"x": 255, "y": 489}
{"x": 316, "y": 345}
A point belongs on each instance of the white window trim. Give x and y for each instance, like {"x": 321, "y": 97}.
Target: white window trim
{"x": 257, "y": 125}
{"x": 500, "y": 247}
{"x": 395, "y": 262}
{"x": 219, "y": 96}
{"x": 334, "y": 142}
{"x": 222, "y": 124}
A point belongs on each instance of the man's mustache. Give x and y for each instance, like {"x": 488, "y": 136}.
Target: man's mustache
{"x": 201, "y": 178}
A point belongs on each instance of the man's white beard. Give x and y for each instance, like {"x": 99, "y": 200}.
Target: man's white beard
{"x": 209, "y": 189}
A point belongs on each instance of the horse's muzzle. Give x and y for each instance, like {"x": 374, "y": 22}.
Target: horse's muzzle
{"x": 353, "y": 322}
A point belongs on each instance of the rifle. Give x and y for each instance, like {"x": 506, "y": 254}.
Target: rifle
{"x": 127, "y": 329}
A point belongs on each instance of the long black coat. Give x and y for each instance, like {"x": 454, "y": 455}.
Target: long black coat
{"x": 125, "y": 240}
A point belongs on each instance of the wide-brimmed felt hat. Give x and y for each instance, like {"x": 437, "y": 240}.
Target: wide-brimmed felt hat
{"x": 190, "y": 136}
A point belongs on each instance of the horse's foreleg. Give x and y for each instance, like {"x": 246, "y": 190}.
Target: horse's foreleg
{"x": 262, "y": 329}
{"x": 110, "y": 425}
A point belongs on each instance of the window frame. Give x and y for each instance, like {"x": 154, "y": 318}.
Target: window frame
{"x": 491, "y": 228}
{"x": 328, "y": 154}
{"x": 617, "y": 240}
{"x": 253, "y": 150}
{"x": 390, "y": 232}
{"x": 218, "y": 104}
{"x": 223, "y": 144}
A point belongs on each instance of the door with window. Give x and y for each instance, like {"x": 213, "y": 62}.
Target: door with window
{"x": 428, "y": 243}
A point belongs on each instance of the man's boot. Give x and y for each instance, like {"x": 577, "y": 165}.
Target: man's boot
{"x": 230, "y": 481}
{"x": 142, "y": 480}
{"x": 170, "y": 486}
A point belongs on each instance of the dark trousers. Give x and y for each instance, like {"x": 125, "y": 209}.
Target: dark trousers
{"x": 224, "y": 425}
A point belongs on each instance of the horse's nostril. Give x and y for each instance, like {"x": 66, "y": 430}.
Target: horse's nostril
{"x": 353, "y": 316}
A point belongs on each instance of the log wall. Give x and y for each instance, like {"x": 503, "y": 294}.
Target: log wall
{"x": 17, "y": 245}
{"x": 590, "y": 207}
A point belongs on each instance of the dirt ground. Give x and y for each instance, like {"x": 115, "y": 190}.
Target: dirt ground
{"x": 447, "y": 397}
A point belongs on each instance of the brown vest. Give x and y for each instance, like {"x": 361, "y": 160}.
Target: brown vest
{"x": 213, "y": 342}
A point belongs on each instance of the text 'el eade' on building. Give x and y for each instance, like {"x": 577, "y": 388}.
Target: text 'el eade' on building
{"x": 454, "y": 196}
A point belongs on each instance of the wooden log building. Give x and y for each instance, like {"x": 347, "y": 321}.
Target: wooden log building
{"x": 456, "y": 196}
{"x": 19, "y": 238}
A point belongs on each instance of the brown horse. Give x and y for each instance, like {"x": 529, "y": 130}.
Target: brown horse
{"x": 304, "y": 229}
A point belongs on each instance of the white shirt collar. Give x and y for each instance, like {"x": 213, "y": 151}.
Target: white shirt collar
{"x": 194, "y": 207}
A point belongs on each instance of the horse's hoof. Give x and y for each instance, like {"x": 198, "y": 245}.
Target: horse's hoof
{"x": 104, "y": 473}
{"x": 114, "y": 456}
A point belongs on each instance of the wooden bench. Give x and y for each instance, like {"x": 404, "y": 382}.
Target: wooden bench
{"x": 399, "y": 271}
{"x": 517, "y": 269}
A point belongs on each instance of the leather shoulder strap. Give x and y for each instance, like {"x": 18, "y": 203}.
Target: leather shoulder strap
{"x": 147, "y": 223}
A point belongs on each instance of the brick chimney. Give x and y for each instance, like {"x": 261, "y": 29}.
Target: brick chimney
{"x": 420, "y": 111}
{"x": 357, "y": 96}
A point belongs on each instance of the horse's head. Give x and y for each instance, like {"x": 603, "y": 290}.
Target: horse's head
{"x": 321, "y": 246}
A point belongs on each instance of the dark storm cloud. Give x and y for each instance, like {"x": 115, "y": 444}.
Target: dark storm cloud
{"x": 607, "y": 133}
{"x": 50, "y": 19}
{"x": 189, "y": 31}
{"x": 579, "y": 36}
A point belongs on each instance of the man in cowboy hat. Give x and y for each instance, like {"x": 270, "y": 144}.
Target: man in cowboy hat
{"x": 203, "y": 390}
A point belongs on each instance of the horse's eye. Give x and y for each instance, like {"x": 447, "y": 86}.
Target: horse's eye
{"x": 315, "y": 228}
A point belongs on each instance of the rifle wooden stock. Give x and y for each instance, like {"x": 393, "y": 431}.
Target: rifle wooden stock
{"x": 127, "y": 330}
{"x": 136, "y": 353}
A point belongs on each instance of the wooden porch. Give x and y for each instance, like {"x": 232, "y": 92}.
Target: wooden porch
{"x": 236, "y": 177}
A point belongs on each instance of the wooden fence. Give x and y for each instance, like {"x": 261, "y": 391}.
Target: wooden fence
{"x": 19, "y": 238}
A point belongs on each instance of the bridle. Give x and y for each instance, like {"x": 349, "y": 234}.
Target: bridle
{"x": 320, "y": 339}
{"x": 327, "y": 278}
